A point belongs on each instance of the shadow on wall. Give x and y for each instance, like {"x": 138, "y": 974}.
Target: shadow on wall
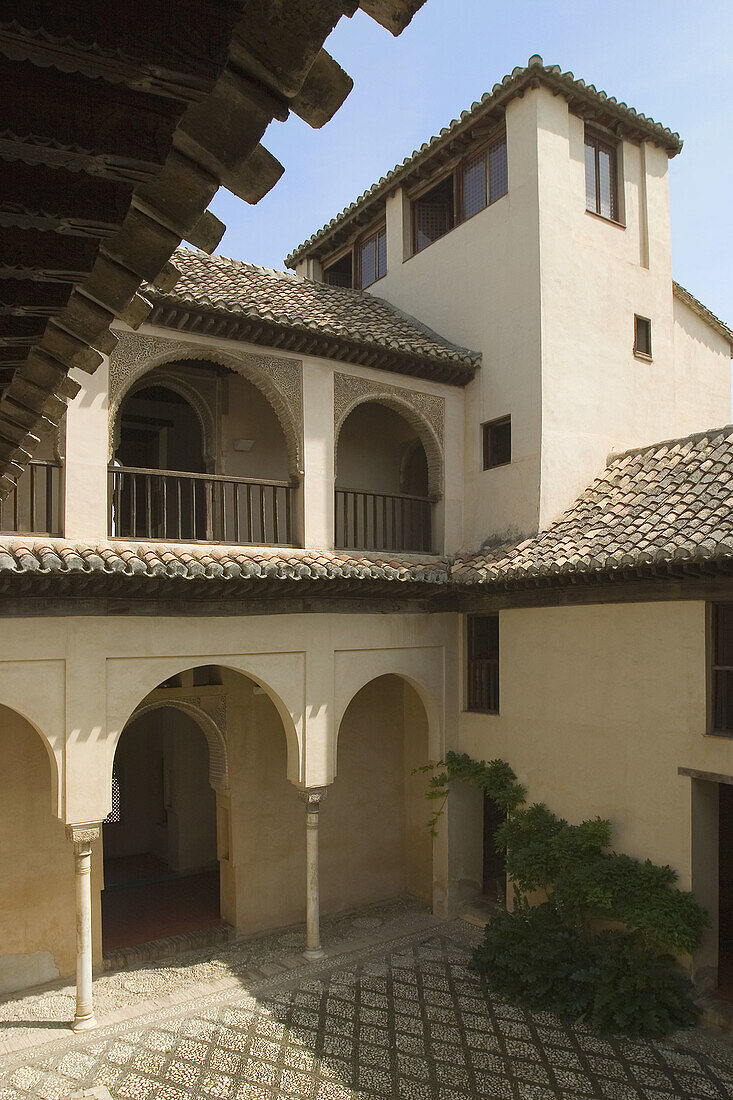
{"x": 37, "y": 904}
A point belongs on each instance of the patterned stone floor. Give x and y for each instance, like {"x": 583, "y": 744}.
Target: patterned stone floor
{"x": 406, "y": 1019}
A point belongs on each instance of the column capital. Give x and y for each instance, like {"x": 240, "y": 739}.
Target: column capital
{"x": 83, "y": 834}
{"x": 313, "y": 796}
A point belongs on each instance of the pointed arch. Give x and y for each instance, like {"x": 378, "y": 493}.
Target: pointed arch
{"x": 420, "y": 424}
{"x": 280, "y": 381}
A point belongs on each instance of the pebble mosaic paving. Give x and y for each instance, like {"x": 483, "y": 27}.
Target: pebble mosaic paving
{"x": 407, "y": 1019}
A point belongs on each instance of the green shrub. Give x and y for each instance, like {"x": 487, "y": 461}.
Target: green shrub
{"x": 547, "y": 956}
{"x": 613, "y": 981}
{"x": 529, "y": 957}
{"x": 634, "y": 991}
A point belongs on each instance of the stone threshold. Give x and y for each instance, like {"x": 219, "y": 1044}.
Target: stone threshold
{"x": 122, "y": 958}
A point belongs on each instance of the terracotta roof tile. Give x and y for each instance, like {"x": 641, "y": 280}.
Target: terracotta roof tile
{"x": 656, "y": 505}
{"x": 193, "y": 563}
{"x": 245, "y": 290}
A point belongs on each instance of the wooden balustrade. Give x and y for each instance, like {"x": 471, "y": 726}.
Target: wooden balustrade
{"x": 35, "y": 506}
{"x": 184, "y": 507}
{"x": 383, "y": 521}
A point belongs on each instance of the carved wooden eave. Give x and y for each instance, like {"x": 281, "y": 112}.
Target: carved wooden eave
{"x": 119, "y": 131}
{"x": 306, "y": 341}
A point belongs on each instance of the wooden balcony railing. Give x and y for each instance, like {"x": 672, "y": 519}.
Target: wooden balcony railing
{"x": 383, "y": 521}
{"x": 35, "y": 506}
{"x": 185, "y": 507}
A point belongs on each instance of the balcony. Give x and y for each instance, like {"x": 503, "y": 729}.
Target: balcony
{"x": 200, "y": 456}
{"x": 35, "y": 506}
{"x": 177, "y": 506}
{"x": 383, "y": 521}
{"x": 382, "y": 494}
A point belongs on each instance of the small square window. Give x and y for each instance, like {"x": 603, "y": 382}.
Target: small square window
{"x": 497, "y": 442}
{"x": 642, "y": 336}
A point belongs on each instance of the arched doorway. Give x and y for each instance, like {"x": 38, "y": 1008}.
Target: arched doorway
{"x": 37, "y": 906}
{"x": 382, "y": 484}
{"x": 206, "y": 831}
{"x": 374, "y": 840}
{"x": 161, "y": 873}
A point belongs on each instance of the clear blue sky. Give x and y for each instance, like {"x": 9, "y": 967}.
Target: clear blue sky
{"x": 670, "y": 59}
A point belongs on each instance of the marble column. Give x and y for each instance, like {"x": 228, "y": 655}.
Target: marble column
{"x": 312, "y": 797}
{"x": 82, "y": 836}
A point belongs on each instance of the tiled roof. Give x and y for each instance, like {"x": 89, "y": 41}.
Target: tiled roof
{"x": 660, "y": 505}
{"x": 278, "y": 297}
{"x": 41, "y": 555}
{"x": 512, "y": 85}
{"x": 703, "y": 312}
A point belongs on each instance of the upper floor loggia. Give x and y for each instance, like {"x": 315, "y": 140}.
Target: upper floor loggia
{"x": 257, "y": 408}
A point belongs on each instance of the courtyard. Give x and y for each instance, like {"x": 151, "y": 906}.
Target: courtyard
{"x": 392, "y": 1010}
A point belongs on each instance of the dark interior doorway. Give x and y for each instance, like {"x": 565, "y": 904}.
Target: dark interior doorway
{"x": 725, "y": 895}
{"x": 161, "y": 874}
{"x": 494, "y": 872}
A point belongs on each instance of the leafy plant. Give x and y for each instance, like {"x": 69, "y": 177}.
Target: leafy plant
{"x": 552, "y": 955}
{"x": 613, "y": 981}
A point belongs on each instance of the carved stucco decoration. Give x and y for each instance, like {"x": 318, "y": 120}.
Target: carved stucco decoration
{"x": 82, "y": 834}
{"x": 279, "y": 379}
{"x": 424, "y": 411}
{"x": 210, "y": 715}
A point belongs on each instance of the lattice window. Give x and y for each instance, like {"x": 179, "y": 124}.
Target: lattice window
{"x": 474, "y": 186}
{"x": 498, "y": 169}
{"x": 115, "y": 815}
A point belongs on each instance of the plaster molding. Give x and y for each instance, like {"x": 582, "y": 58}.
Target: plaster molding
{"x": 424, "y": 411}
{"x": 279, "y": 379}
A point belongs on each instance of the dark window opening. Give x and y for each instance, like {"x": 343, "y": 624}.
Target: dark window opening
{"x": 373, "y": 258}
{"x": 725, "y": 891}
{"x": 494, "y": 870}
{"x": 434, "y": 213}
{"x": 482, "y": 665}
{"x": 340, "y": 273}
{"x": 497, "y": 442}
{"x": 601, "y": 183}
{"x": 722, "y": 670}
{"x": 643, "y": 336}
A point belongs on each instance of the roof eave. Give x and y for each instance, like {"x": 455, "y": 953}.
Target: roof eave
{"x": 226, "y": 325}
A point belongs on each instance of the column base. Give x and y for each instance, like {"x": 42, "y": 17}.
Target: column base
{"x": 313, "y": 954}
{"x": 84, "y": 1023}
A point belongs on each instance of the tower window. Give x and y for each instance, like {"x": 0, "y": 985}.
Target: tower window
{"x": 601, "y": 177}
